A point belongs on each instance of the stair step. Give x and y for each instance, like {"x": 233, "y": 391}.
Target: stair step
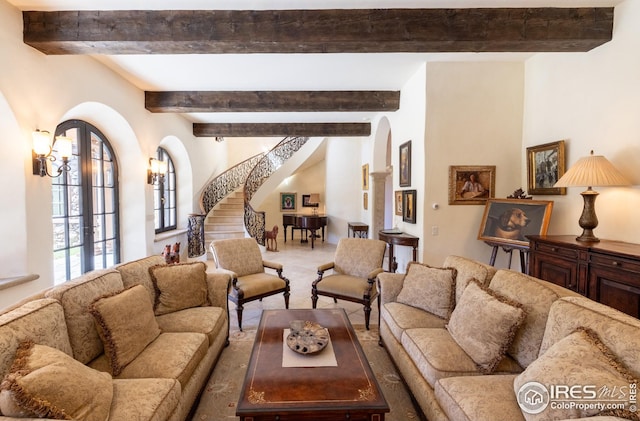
{"x": 223, "y": 227}
{"x": 230, "y": 206}
{"x": 224, "y": 219}
{"x": 228, "y": 212}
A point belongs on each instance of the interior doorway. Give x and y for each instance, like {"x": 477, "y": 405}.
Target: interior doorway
{"x": 382, "y": 179}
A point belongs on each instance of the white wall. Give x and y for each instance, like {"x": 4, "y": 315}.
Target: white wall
{"x": 473, "y": 117}
{"x": 43, "y": 91}
{"x": 408, "y": 124}
{"x": 592, "y": 100}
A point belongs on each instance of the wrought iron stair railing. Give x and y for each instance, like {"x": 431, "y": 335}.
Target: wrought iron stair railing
{"x": 254, "y": 221}
{"x": 217, "y": 189}
{"x": 226, "y": 183}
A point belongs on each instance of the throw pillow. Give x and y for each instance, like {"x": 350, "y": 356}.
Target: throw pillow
{"x": 578, "y": 359}
{"x": 126, "y": 324}
{"x": 430, "y": 289}
{"x": 179, "y": 286}
{"x": 484, "y": 324}
{"x": 47, "y": 383}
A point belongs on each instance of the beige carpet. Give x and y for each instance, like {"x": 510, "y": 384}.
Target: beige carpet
{"x": 219, "y": 399}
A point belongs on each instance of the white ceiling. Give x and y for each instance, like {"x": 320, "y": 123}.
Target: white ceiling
{"x": 282, "y": 71}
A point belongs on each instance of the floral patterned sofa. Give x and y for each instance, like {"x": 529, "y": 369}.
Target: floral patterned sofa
{"x": 135, "y": 342}
{"x": 473, "y": 343}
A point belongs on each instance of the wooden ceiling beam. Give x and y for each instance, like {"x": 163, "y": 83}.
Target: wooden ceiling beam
{"x": 318, "y": 31}
{"x": 270, "y": 101}
{"x": 281, "y": 129}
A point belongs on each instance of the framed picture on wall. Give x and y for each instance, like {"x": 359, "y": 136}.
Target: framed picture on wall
{"x": 545, "y": 166}
{"x": 471, "y": 184}
{"x": 365, "y": 177}
{"x": 365, "y": 200}
{"x": 405, "y": 164}
{"x": 307, "y": 203}
{"x": 409, "y": 206}
{"x": 288, "y": 201}
{"x": 398, "y": 200}
{"x": 508, "y": 221}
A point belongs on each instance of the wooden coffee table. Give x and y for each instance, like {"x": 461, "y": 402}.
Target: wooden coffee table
{"x": 348, "y": 391}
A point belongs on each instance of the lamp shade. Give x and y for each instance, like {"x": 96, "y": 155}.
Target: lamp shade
{"x": 64, "y": 146}
{"x": 590, "y": 171}
{"x": 41, "y": 142}
{"x": 314, "y": 198}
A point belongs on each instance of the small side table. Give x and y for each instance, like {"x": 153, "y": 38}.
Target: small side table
{"x": 358, "y": 229}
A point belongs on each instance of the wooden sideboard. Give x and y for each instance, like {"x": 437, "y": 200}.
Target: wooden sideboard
{"x": 605, "y": 271}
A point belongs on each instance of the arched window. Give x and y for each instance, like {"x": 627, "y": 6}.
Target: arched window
{"x": 85, "y": 205}
{"x": 164, "y": 196}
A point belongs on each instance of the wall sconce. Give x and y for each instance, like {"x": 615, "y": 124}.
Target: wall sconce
{"x": 156, "y": 171}
{"x": 590, "y": 171}
{"x": 42, "y": 149}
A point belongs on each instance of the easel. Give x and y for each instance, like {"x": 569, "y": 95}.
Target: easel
{"x": 524, "y": 255}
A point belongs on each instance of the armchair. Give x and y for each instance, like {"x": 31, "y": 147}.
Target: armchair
{"x": 357, "y": 263}
{"x": 241, "y": 257}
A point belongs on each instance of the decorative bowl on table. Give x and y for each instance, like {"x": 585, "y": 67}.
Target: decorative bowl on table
{"x": 307, "y": 337}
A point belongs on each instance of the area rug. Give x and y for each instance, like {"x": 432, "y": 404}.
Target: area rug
{"x": 219, "y": 399}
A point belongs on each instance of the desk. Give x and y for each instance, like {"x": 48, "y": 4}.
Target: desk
{"x": 304, "y": 223}
{"x": 357, "y": 229}
{"x": 394, "y": 238}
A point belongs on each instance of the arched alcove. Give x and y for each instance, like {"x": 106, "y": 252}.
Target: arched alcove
{"x": 132, "y": 163}
{"x": 381, "y": 178}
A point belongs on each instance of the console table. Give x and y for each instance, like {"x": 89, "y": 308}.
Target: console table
{"x": 394, "y": 238}
{"x": 357, "y": 229}
{"x": 605, "y": 271}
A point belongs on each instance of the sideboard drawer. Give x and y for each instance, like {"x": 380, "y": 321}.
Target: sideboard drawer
{"x": 614, "y": 262}
{"x": 557, "y": 250}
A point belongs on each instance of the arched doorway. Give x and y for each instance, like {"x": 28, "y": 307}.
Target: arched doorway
{"x": 382, "y": 179}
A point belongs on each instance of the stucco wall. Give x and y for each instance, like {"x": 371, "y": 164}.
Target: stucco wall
{"x": 592, "y": 101}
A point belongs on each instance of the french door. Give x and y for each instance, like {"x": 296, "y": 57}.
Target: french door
{"x": 85, "y": 205}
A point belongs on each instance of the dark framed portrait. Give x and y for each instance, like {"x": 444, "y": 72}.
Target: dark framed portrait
{"x": 409, "y": 206}
{"x": 288, "y": 201}
{"x": 405, "y": 164}
{"x": 545, "y": 166}
{"x": 471, "y": 184}
{"x": 508, "y": 221}
{"x": 306, "y": 202}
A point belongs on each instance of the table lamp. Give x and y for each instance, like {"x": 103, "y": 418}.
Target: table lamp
{"x": 590, "y": 171}
{"x": 314, "y": 199}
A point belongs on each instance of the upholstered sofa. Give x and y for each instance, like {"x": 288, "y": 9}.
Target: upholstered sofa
{"x": 135, "y": 342}
{"x": 470, "y": 341}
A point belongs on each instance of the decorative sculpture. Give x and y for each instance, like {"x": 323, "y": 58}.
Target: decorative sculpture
{"x": 171, "y": 254}
{"x": 272, "y": 239}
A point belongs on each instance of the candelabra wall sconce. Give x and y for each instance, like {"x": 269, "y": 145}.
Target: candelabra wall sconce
{"x": 42, "y": 153}
{"x": 156, "y": 171}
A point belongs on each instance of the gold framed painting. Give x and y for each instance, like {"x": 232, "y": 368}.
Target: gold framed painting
{"x": 471, "y": 184}
{"x": 398, "y": 207}
{"x": 365, "y": 177}
{"x": 508, "y": 221}
{"x": 545, "y": 166}
{"x": 405, "y": 164}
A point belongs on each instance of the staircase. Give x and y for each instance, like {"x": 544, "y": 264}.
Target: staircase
{"x": 226, "y": 219}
